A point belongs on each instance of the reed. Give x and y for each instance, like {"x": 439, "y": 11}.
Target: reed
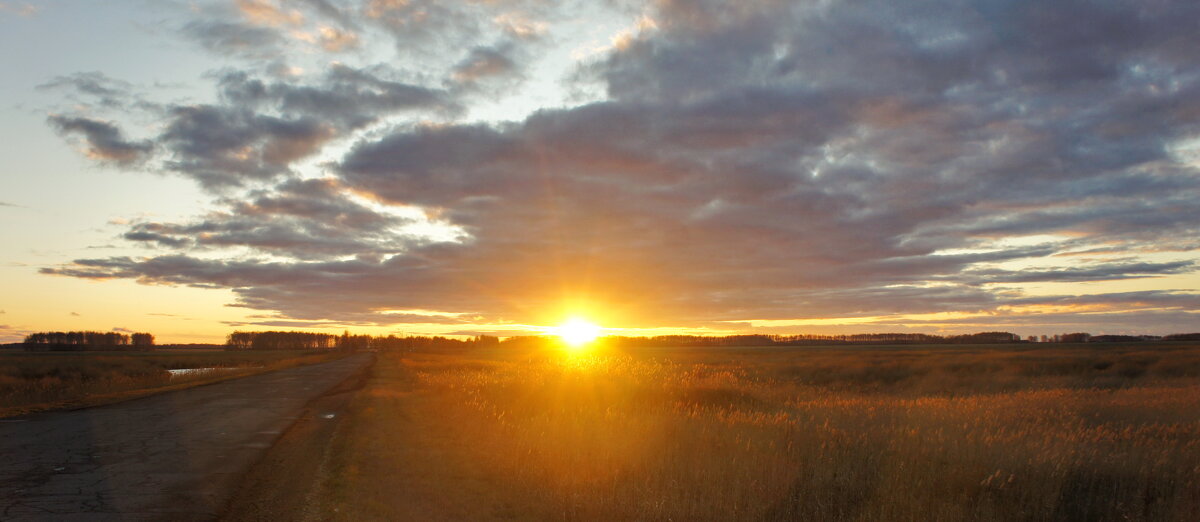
{"x": 827, "y": 434}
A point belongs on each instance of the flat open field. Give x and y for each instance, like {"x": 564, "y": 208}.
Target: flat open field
{"x": 175, "y": 457}
{"x": 38, "y": 381}
{"x": 1029, "y": 432}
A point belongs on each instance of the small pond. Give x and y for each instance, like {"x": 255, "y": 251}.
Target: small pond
{"x": 200, "y": 371}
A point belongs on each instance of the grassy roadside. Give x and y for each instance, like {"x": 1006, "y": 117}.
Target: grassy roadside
{"x": 36, "y": 382}
{"x": 399, "y": 454}
{"x": 913, "y": 434}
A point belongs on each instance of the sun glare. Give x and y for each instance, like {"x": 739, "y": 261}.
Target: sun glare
{"x": 577, "y": 332}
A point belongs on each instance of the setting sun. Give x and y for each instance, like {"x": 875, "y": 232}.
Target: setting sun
{"x": 577, "y": 332}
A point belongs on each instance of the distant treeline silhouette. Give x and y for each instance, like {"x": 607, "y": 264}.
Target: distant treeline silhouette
{"x": 1083, "y": 337}
{"x": 784, "y": 340}
{"x": 346, "y": 341}
{"x": 867, "y": 339}
{"x": 318, "y": 341}
{"x": 76, "y": 341}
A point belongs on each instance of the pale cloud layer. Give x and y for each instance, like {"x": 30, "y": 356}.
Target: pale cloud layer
{"x": 764, "y": 161}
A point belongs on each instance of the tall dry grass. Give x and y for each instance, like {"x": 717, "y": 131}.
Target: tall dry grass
{"x": 865, "y": 434}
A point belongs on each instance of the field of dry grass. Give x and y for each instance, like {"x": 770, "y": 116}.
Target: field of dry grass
{"x": 42, "y": 381}
{"x": 1043, "y": 433}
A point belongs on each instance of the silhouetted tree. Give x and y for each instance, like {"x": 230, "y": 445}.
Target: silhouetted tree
{"x": 1077, "y": 337}
{"x": 76, "y": 341}
{"x": 142, "y": 341}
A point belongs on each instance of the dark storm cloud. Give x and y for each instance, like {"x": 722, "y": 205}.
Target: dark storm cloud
{"x": 104, "y": 142}
{"x": 757, "y": 160}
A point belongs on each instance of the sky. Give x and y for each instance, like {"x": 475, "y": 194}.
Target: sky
{"x": 191, "y": 168}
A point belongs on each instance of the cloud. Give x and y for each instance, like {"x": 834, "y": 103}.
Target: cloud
{"x": 108, "y": 92}
{"x": 12, "y": 334}
{"x": 1104, "y": 272}
{"x": 758, "y": 160}
{"x": 268, "y": 31}
{"x": 300, "y": 219}
{"x": 264, "y": 127}
{"x": 419, "y": 30}
{"x": 221, "y": 146}
{"x": 518, "y": 25}
{"x": 235, "y": 38}
{"x": 266, "y": 12}
{"x": 423, "y": 23}
{"x": 24, "y": 9}
{"x": 258, "y": 129}
{"x": 104, "y": 141}
{"x": 430, "y": 32}
{"x": 483, "y": 63}
{"x": 328, "y": 11}
{"x": 336, "y": 40}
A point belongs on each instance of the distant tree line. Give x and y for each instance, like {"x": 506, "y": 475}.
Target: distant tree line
{"x": 865, "y": 339}
{"x": 77, "y": 341}
{"x": 347, "y": 342}
{"x": 780, "y": 340}
{"x": 1084, "y": 337}
{"x": 280, "y": 341}
{"x": 906, "y": 338}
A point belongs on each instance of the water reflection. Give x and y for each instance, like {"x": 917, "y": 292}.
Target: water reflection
{"x": 201, "y": 371}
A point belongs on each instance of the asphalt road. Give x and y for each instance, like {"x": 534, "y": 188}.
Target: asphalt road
{"x": 173, "y": 456}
